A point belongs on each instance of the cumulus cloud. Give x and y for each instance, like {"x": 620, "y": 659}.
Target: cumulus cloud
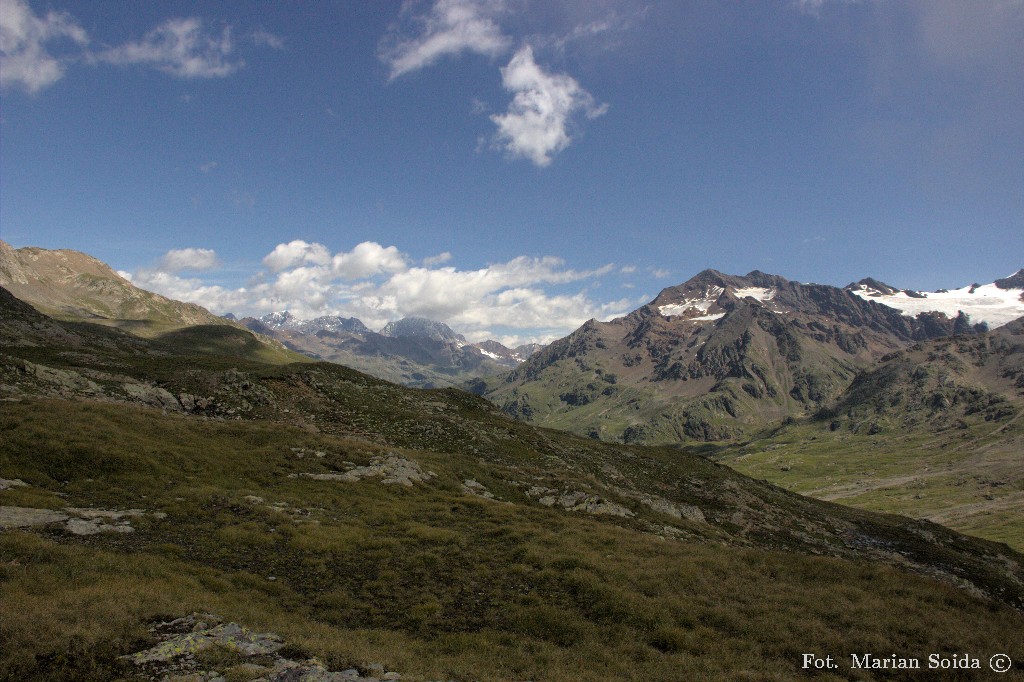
{"x": 367, "y": 259}
{"x": 24, "y": 37}
{"x": 536, "y": 125}
{"x": 177, "y": 260}
{"x": 377, "y": 284}
{"x": 451, "y": 27}
{"x": 294, "y": 253}
{"x": 180, "y": 47}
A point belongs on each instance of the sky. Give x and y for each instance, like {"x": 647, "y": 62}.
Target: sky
{"x": 512, "y": 167}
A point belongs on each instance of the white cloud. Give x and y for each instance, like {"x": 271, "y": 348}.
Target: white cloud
{"x": 367, "y": 259}
{"x": 180, "y": 47}
{"x": 177, "y": 260}
{"x": 451, "y": 27}
{"x": 376, "y": 284}
{"x": 208, "y": 166}
{"x": 294, "y": 253}
{"x": 24, "y": 59}
{"x": 536, "y": 125}
{"x": 438, "y": 259}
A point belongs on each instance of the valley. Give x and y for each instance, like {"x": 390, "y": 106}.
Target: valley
{"x": 366, "y": 527}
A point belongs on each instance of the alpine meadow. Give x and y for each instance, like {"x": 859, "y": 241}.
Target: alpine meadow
{"x": 356, "y": 342}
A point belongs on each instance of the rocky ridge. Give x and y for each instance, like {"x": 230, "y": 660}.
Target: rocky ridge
{"x": 412, "y": 351}
{"x": 713, "y": 358}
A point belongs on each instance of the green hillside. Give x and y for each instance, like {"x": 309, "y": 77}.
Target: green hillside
{"x": 427, "y": 531}
{"x": 934, "y": 432}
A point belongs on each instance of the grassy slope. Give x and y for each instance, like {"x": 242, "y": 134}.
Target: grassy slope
{"x": 935, "y": 432}
{"x": 970, "y": 479}
{"x": 436, "y": 583}
{"x": 430, "y": 580}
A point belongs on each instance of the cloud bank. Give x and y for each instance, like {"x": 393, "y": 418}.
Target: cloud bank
{"x": 180, "y": 47}
{"x": 178, "y": 260}
{"x": 511, "y": 300}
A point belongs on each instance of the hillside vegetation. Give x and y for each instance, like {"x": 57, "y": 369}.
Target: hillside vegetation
{"x": 426, "y": 530}
{"x": 933, "y": 432}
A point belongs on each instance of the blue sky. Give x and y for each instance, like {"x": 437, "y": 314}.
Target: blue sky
{"x": 512, "y": 167}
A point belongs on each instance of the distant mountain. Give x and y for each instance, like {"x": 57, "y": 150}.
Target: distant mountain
{"x": 419, "y": 327}
{"x": 991, "y": 304}
{"x": 412, "y": 351}
{"x": 325, "y": 323}
{"x": 713, "y": 358}
{"x": 510, "y": 356}
{"x": 75, "y": 286}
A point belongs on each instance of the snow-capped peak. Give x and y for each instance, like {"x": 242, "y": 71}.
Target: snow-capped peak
{"x": 280, "y": 320}
{"x": 989, "y": 303}
{"x": 698, "y": 305}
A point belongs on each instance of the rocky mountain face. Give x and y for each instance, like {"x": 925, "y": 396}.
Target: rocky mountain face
{"x": 939, "y": 382}
{"x": 73, "y": 285}
{"x": 325, "y": 323}
{"x": 418, "y": 327}
{"x": 934, "y": 431}
{"x": 1014, "y": 281}
{"x": 713, "y": 358}
{"x": 412, "y": 351}
{"x": 512, "y": 356}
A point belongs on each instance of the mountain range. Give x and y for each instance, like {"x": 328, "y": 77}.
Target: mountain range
{"x": 780, "y": 376}
{"x": 721, "y": 356}
{"x": 412, "y": 351}
{"x": 149, "y": 484}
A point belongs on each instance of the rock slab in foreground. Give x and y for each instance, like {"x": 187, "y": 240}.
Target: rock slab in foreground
{"x": 174, "y": 658}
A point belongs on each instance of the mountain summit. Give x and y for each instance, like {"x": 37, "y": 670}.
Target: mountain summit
{"x": 75, "y": 286}
{"x": 422, "y": 328}
{"x": 712, "y": 358}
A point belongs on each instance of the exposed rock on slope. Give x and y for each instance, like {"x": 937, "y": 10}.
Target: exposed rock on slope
{"x": 710, "y": 359}
{"x": 939, "y": 382}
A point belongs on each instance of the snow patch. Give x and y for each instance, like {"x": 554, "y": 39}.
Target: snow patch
{"x": 700, "y": 305}
{"x": 987, "y": 303}
{"x": 759, "y": 293}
